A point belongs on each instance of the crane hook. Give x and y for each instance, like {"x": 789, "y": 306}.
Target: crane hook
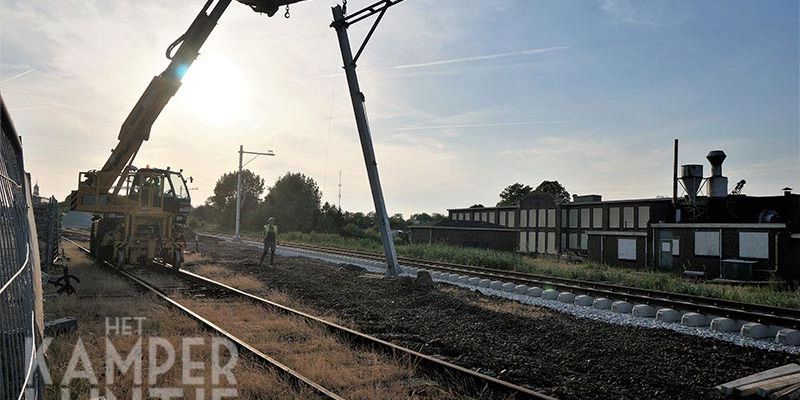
{"x": 287, "y": 11}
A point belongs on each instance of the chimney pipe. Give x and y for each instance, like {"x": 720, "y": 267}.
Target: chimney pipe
{"x": 675, "y": 175}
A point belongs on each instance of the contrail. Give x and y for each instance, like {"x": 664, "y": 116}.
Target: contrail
{"x": 491, "y": 124}
{"x": 484, "y": 57}
{"x": 17, "y": 76}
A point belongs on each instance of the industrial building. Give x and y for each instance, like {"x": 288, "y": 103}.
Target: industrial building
{"x": 708, "y": 233}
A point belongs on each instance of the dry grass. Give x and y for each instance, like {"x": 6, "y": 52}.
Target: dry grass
{"x": 253, "y": 381}
{"x": 316, "y": 354}
{"x": 497, "y": 305}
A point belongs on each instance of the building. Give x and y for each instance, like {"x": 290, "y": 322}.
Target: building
{"x": 717, "y": 235}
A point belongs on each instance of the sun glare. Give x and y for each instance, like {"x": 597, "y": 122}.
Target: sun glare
{"x": 214, "y": 90}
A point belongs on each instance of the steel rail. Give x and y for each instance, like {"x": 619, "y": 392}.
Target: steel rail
{"x": 471, "y": 381}
{"x": 291, "y": 375}
{"x": 785, "y": 317}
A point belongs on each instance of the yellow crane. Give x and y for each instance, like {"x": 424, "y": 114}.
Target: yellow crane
{"x": 140, "y": 213}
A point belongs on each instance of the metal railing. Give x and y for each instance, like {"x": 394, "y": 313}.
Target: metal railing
{"x": 19, "y": 330}
{"x": 48, "y": 229}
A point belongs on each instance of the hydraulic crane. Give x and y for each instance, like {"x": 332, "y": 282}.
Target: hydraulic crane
{"x": 139, "y": 214}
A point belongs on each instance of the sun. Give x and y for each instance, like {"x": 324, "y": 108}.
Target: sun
{"x": 214, "y": 90}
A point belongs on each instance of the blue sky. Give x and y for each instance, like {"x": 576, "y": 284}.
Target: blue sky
{"x": 464, "y": 97}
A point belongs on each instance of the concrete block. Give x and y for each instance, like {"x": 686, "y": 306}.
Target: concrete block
{"x": 566, "y": 297}
{"x": 550, "y": 294}
{"x": 463, "y": 279}
{"x": 584, "y": 300}
{"x": 643, "y": 311}
{"x": 60, "y": 326}
{"x": 621, "y": 307}
{"x": 535, "y": 291}
{"x": 754, "y": 330}
{"x": 789, "y": 337}
{"x": 453, "y": 277}
{"x": 436, "y": 275}
{"x": 602, "y": 303}
{"x": 410, "y": 270}
{"x": 668, "y": 315}
{"x": 694, "y": 319}
{"x": 521, "y": 289}
{"x": 508, "y": 287}
{"x": 496, "y": 285}
{"x": 485, "y": 283}
{"x": 722, "y": 324}
{"x": 474, "y": 281}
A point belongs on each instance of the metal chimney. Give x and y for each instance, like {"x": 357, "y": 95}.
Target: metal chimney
{"x": 692, "y": 179}
{"x": 717, "y": 184}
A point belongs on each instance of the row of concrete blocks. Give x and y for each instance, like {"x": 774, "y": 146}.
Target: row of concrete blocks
{"x": 720, "y": 324}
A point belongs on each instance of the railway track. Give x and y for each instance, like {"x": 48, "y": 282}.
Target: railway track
{"x": 464, "y": 380}
{"x": 769, "y": 315}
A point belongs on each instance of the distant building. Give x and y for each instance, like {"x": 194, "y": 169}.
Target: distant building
{"x": 716, "y": 235}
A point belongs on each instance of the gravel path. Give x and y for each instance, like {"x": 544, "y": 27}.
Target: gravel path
{"x": 557, "y": 354}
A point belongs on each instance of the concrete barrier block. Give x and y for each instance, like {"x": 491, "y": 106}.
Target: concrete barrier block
{"x": 754, "y": 330}
{"x": 463, "y": 279}
{"x": 508, "y": 287}
{"x": 694, "y": 319}
{"x": 789, "y": 337}
{"x": 643, "y": 311}
{"x": 668, "y": 315}
{"x": 436, "y": 275}
{"x": 722, "y": 324}
{"x": 410, "y": 270}
{"x": 621, "y": 307}
{"x": 474, "y": 281}
{"x": 602, "y": 303}
{"x": 535, "y": 291}
{"x": 584, "y": 300}
{"x": 485, "y": 283}
{"x": 566, "y": 297}
{"x": 550, "y": 294}
{"x": 453, "y": 277}
{"x": 521, "y": 289}
{"x": 496, "y": 285}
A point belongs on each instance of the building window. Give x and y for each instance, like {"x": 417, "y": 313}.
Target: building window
{"x": 467, "y": 216}
{"x": 532, "y": 218}
{"x": 597, "y": 217}
{"x": 626, "y": 249}
{"x": 485, "y": 217}
{"x": 628, "y": 221}
{"x": 644, "y": 216}
{"x": 706, "y": 243}
{"x": 563, "y": 242}
{"x": 531, "y": 241}
{"x": 563, "y": 217}
{"x": 584, "y": 217}
{"x": 491, "y": 217}
{"x": 676, "y": 247}
{"x": 542, "y": 218}
{"x": 754, "y": 245}
{"x": 584, "y": 241}
{"x": 613, "y": 217}
{"x": 540, "y": 243}
{"x": 523, "y": 217}
{"x": 522, "y": 246}
{"x": 551, "y": 242}
{"x": 551, "y": 218}
{"x": 511, "y": 219}
{"x": 502, "y": 218}
{"x": 573, "y": 240}
{"x": 573, "y": 218}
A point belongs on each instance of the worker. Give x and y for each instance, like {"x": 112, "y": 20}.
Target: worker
{"x": 270, "y": 237}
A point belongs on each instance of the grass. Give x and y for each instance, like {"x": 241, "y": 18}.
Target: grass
{"x": 641, "y": 278}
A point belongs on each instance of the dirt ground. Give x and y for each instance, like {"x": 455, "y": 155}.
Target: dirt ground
{"x": 556, "y": 354}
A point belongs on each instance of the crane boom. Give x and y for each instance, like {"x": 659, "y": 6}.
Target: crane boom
{"x": 136, "y": 128}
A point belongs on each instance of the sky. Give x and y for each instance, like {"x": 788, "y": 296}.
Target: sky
{"x": 464, "y": 97}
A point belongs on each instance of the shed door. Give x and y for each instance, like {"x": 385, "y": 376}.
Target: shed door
{"x": 665, "y": 254}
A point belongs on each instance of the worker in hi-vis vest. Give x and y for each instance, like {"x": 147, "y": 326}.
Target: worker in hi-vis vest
{"x": 270, "y": 236}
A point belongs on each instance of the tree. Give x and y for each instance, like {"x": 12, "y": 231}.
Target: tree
{"x": 294, "y": 200}
{"x": 476, "y": 206}
{"x": 512, "y": 194}
{"x": 554, "y": 188}
{"x": 224, "y": 198}
{"x": 397, "y": 221}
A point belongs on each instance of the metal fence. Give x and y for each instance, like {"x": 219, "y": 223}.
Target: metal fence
{"x": 48, "y": 229}
{"x": 19, "y": 329}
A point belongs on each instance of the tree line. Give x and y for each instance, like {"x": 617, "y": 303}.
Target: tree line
{"x": 295, "y": 201}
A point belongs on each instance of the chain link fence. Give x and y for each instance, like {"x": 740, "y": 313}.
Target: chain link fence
{"x": 20, "y": 333}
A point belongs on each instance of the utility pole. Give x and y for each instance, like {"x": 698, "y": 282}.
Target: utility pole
{"x": 341, "y": 23}
{"x": 340, "y": 190}
{"x": 236, "y": 236}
